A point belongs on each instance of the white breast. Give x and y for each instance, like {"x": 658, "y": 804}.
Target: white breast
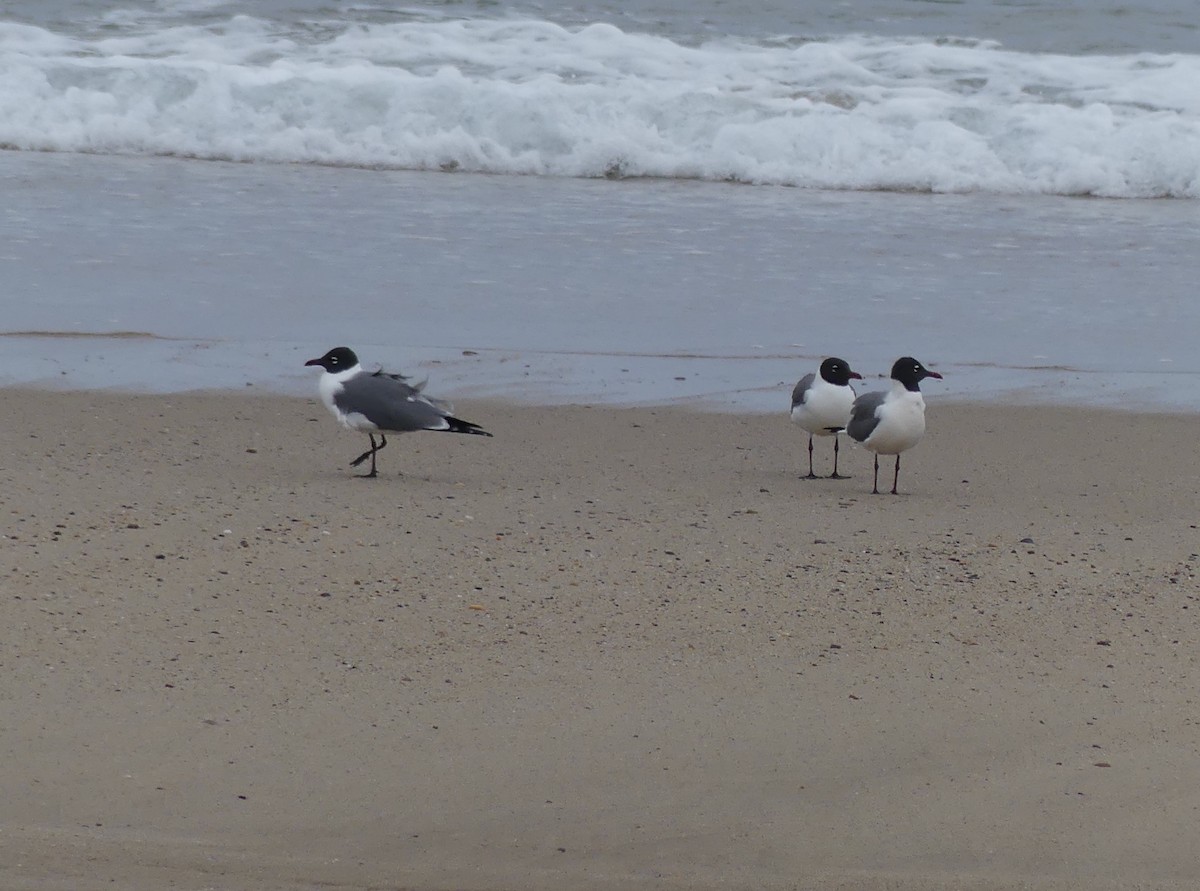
{"x": 826, "y": 405}
{"x": 901, "y": 423}
{"x": 329, "y": 386}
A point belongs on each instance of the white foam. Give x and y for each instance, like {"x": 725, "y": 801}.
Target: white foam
{"x": 532, "y": 97}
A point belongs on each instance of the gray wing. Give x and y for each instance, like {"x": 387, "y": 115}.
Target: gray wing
{"x": 418, "y": 389}
{"x": 863, "y": 418}
{"x": 396, "y": 376}
{"x": 390, "y": 403}
{"x": 802, "y": 388}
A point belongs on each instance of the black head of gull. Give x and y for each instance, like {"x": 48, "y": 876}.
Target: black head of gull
{"x": 821, "y": 405}
{"x": 337, "y": 359}
{"x": 910, "y": 372}
{"x": 837, "y": 372}
{"x": 891, "y": 422}
{"x": 381, "y": 402}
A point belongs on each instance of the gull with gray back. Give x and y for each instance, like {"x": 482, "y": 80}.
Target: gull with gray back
{"x": 821, "y": 404}
{"x": 380, "y": 402}
{"x": 891, "y": 422}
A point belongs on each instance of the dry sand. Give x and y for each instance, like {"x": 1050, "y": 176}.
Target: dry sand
{"x": 608, "y": 649}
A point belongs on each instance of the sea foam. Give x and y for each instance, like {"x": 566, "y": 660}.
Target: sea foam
{"x": 532, "y": 97}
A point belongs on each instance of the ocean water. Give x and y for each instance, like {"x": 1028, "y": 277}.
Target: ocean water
{"x": 627, "y": 201}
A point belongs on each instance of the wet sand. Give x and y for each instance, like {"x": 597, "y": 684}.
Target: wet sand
{"x": 609, "y": 648}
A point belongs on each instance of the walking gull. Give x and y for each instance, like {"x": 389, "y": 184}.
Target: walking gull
{"x": 379, "y": 402}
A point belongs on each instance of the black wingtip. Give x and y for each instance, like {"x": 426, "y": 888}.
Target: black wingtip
{"x": 457, "y": 425}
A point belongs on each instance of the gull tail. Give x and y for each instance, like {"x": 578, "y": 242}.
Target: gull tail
{"x": 457, "y": 425}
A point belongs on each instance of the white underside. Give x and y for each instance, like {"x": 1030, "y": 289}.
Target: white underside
{"x": 355, "y": 421}
{"x": 825, "y": 405}
{"x": 901, "y": 422}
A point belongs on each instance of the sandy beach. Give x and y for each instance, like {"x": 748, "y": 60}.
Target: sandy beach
{"x": 607, "y": 649}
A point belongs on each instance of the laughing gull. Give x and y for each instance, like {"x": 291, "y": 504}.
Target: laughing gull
{"x": 379, "y": 402}
{"x": 821, "y": 405}
{"x": 889, "y": 423}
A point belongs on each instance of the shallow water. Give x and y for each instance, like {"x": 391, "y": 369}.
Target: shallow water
{"x": 549, "y": 289}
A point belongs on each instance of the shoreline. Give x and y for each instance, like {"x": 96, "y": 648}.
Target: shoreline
{"x": 533, "y": 379}
{"x": 609, "y": 648}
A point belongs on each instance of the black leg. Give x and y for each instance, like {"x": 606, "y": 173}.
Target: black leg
{"x": 811, "y": 475}
{"x": 875, "y": 486}
{"x": 370, "y": 454}
{"x": 382, "y": 443}
{"x": 365, "y": 455}
{"x": 835, "y": 475}
{"x": 896, "y": 478}
{"x": 372, "y": 474}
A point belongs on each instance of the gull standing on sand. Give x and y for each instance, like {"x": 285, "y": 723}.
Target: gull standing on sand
{"x": 892, "y": 422}
{"x": 821, "y": 405}
{"x": 378, "y": 402}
